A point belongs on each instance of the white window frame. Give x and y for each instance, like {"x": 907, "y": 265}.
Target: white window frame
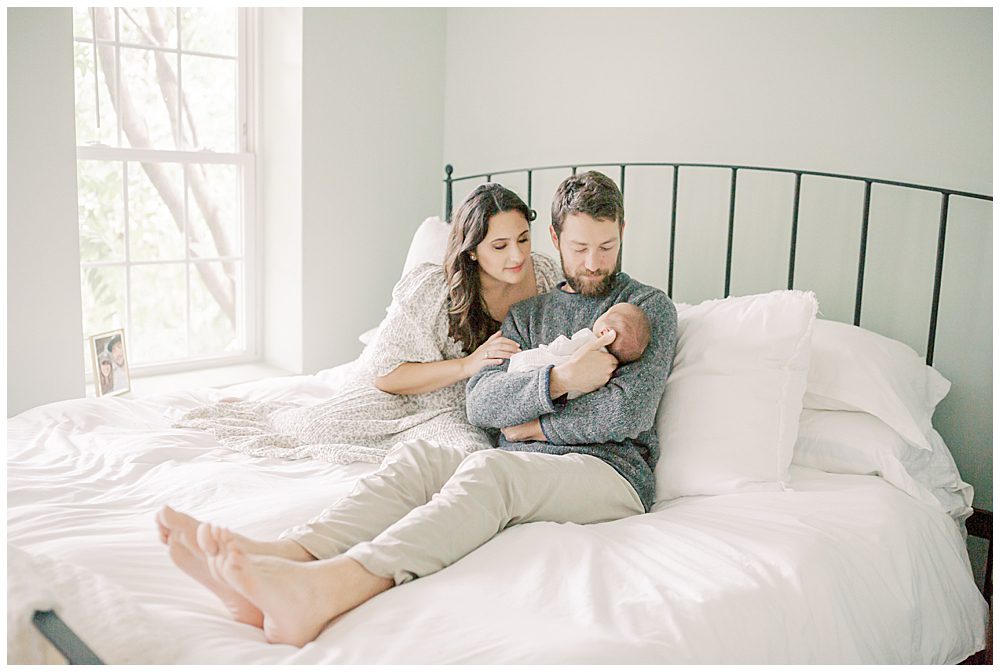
{"x": 249, "y": 324}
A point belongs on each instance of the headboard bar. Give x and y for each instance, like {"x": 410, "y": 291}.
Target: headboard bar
{"x": 729, "y": 239}
{"x": 863, "y": 252}
{"x": 946, "y": 194}
{"x": 529, "y": 190}
{"x": 938, "y": 268}
{"x": 673, "y": 234}
{"x": 795, "y": 230}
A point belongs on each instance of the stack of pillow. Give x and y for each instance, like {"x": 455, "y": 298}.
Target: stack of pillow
{"x": 759, "y": 384}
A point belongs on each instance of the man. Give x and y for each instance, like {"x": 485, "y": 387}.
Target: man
{"x": 614, "y": 422}
{"x": 116, "y": 350}
{"x": 585, "y": 460}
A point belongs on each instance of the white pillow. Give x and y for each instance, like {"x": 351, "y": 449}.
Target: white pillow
{"x": 854, "y": 369}
{"x": 427, "y": 245}
{"x": 728, "y": 418}
{"x": 850, "y": 442}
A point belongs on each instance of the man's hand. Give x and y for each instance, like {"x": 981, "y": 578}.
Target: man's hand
{"x": 587, "y": 370}
{"x": 526, "y": 431}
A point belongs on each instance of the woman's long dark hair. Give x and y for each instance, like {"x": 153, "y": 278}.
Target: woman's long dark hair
{"x": 469, "y": 321}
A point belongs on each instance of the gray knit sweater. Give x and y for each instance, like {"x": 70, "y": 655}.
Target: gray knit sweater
{"x": 613, "y": 423}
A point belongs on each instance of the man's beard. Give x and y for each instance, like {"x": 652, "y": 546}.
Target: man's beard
{"x": 591, "y": 284}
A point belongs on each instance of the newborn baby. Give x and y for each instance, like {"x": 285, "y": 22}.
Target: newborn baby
{"x": 632, "y": 333}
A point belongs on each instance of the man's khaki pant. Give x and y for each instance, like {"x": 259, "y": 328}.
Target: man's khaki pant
{"x": 429, "y": 505}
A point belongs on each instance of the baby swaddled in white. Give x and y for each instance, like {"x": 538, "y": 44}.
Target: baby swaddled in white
{"x": 632, "y": 333}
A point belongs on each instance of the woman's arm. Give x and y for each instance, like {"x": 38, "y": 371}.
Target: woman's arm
{"x": 421, "y": 377}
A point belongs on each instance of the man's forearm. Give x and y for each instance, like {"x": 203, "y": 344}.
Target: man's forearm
{"x": 498, "y": 399}
{"x": 609, "y": 414}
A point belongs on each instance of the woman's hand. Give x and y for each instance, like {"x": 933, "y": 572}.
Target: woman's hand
{"x": 493, "y": 351}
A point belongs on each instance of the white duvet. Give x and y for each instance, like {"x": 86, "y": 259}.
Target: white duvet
{"x": 841, "y": 569}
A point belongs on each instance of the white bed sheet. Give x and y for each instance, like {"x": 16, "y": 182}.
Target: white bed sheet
{"x": 842, "y": 569}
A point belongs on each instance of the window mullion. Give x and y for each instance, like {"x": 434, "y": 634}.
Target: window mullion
{"x": 118, "y": 82}
{"x": 144, "y": 155}
{"x": 187, "y": 256}
{"x": 127, "y": 317}
{"x": 241, "y": 79}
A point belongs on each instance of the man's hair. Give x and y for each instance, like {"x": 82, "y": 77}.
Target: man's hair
{"x": 591, "y": 193}
{"x": 633, "y": 332}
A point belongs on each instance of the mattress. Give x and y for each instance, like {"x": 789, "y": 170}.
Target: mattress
{"x": 838, "y": 569}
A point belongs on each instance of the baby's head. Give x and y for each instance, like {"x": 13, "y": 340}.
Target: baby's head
{"x": 632, "y": 328}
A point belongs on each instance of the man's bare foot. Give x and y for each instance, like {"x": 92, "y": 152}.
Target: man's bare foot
{"x": 179, "y": 530}
{"x": 297, "y": 599}
{"x": 239, "y": 607}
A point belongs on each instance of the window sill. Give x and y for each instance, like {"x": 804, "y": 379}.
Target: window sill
{"x": 144, "y": 386}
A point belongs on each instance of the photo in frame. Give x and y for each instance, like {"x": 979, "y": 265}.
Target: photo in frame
{"x": 111, "y": 376}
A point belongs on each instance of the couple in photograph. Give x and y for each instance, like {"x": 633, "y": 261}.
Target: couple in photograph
{"x": 495, "y": 393}
{"x": 112, "y": 372}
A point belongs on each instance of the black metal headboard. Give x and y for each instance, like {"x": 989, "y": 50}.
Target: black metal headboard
{"x": 946, "y": 195}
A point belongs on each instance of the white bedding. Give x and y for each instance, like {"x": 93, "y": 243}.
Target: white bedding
{"x": 840, "y": 569}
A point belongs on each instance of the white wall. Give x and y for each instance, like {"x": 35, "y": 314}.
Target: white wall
{"x": 902, "y": 94}
{"x": 350, "y": 158}
{"x": 279, "y": 175}
{"x": 44, "y": 323}
{"x": 896, "y": 92}
{"x": 372, "y": 129}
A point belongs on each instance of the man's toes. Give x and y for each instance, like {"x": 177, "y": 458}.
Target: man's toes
{"x": 206, "y": 539}
{"x": 181, "y": 538}
{"x": 224, "y": 538}
{"x": 214, "y": 564}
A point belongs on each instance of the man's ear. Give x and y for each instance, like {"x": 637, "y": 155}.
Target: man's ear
{"x": 555, "y": 236}
{"x": 622, "y": 229}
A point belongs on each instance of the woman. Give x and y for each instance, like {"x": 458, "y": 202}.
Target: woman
{"x": 106, "y": 376}
{"x": 442, "y": 327}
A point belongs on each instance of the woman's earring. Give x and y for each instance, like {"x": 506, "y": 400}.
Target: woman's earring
{"x": 472, "y": 256}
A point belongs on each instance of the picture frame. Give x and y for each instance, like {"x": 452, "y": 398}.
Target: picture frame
{"x": 111, "y": 374}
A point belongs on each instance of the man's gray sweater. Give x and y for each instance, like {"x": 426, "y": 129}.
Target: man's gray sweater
{"x": 613, "y": 423}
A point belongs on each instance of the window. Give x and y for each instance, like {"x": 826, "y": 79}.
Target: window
{"x": 165, "y": 178}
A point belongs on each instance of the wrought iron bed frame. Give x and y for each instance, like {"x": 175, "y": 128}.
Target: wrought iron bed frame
{"x": 980, "y": 524}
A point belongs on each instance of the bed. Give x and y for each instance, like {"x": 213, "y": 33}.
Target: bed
{"x": 838, "y": 539}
